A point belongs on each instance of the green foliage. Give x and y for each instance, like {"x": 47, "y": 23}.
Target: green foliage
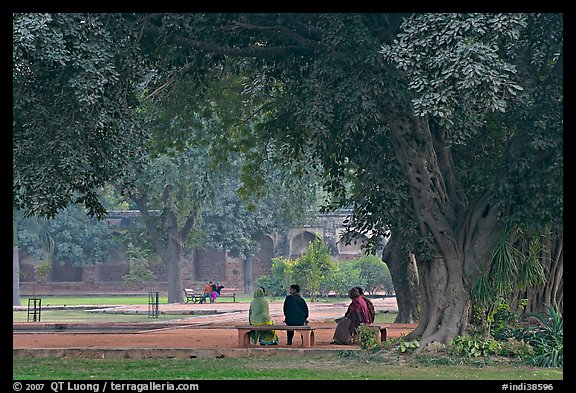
{"x": 74, "y": 79}
{"x": 71, "y": 236}
{"x": 342, "y": 278}
{"x": 312, "y": 267}
{"x": 467, "y": 346}
{"x": 34, "y": 236}
{"x": 273, "y": 287}
{"x": 511, "y": 265}
{"x": 374, "y": 274}
{"x": 140, "y": 262}
{"x": 547, "y": 339}
{"x": 531, "y": 271}
{"x": 516, "y": 348}
{"x": 278, "y": 283}
{"x": 407, "y": 346}
{"x": 335, "y": 276}
{"x": 482, "y": 292}
{"x": 540, "y": 345}
{"x": 504, "y": 265}
{"x": 367, "y": 337}
{"x": 504, "y": 322}
{"x": 454, "y": 68}
{"x": 43, "y": 268}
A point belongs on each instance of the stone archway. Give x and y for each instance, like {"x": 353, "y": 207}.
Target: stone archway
{"x": 263, "y": 259}
{"x": 299, "y": 243}
{"x": 353, "y": 249}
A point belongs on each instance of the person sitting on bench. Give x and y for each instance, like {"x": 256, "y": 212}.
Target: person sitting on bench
{"x": 356, "y": 314}
{"x": 259, "y": 315}
{"x": 295, "y": 311}
{"x": 207, "y": 293}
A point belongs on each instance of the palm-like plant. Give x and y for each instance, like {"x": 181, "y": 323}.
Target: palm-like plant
{"x": 547, "y": 338}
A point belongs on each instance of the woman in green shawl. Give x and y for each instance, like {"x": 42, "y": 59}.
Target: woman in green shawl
{"x": 259, "y": 315}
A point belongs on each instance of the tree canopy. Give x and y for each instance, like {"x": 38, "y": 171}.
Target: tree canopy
{"x": 74, "y": 97}
{"x": 446, "y": 125}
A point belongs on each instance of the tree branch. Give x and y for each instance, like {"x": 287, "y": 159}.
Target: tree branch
{"x": 303, "y": 29}
{"x": 253, "y": 51}
{"x": 150, "y": 223}
{"x": 189, "y": 224}
{"x": 284, "y": 30}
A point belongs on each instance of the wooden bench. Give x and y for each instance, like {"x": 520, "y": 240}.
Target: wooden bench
{"x": 306, "y": 331}
{"x": 228, "y": 292}
{"x": 191, "y": 295}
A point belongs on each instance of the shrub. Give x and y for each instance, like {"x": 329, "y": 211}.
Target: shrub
{"x": 547, "y": 339}
{"x": 366, "y": 336}
{"x": 467, "y": 346}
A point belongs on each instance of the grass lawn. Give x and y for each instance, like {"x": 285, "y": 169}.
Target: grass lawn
{"x": 310, "y": 367}
{"x": 143, "y": 299}
{"x": 78, "y": 315}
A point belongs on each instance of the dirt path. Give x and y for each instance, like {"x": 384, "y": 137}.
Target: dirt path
{"x": 198, "y": 331}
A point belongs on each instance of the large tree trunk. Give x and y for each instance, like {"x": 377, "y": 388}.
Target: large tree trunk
{"x": 171, "y": 253}
{"x": 15, "y": 267}
{"x": 15, "y": 271}
{"x": 445, "y": 302}
{"x": 458, "y": 236}
{"x": 404, "y": 278}
{"x": 249, "y": 274}
{"x": 173, "y": 259}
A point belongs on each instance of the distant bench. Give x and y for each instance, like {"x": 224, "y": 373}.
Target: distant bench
{"x": 228, "y": 292}
{"x": 192, "y": 296}
{"x": 306, "y": 331}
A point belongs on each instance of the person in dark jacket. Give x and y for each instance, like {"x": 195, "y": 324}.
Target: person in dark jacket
{"x": 295, "y": 311}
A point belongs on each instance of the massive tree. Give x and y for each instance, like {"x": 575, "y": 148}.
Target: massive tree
{"x": 452, "y": 120}
{"x": 418, "y": 109}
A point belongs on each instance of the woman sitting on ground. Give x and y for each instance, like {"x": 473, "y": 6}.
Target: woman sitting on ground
{"x": 259, "y": 315}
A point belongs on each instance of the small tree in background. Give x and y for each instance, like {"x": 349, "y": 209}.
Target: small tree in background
{"x": 280, "y": 279}
{"x": 313, "y": 267}
{"x": 344, "y": 276}
{"x": 140, "y": 262}
{"x": 374, "y": 273}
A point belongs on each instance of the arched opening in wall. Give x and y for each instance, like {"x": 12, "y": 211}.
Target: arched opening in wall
{"x": 299, "y": 243}
{"x": 354, "y": 249}
{"x": 263, "y": 259}
{"x": 210, "y": 264}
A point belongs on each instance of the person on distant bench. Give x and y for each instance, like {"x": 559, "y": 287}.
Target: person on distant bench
{"x": 295, "y": 311}
{"x": 216, "y": 288}
{"x": 259, "y": 315}
{"x": 207, "y": 293}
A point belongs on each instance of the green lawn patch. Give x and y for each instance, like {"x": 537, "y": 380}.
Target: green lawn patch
{"x": 309, "y": 367}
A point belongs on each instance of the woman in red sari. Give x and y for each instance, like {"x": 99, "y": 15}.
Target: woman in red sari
{"x": 356, "y": 314}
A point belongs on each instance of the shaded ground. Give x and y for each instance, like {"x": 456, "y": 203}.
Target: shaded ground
{"x": 200, "y": 330}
